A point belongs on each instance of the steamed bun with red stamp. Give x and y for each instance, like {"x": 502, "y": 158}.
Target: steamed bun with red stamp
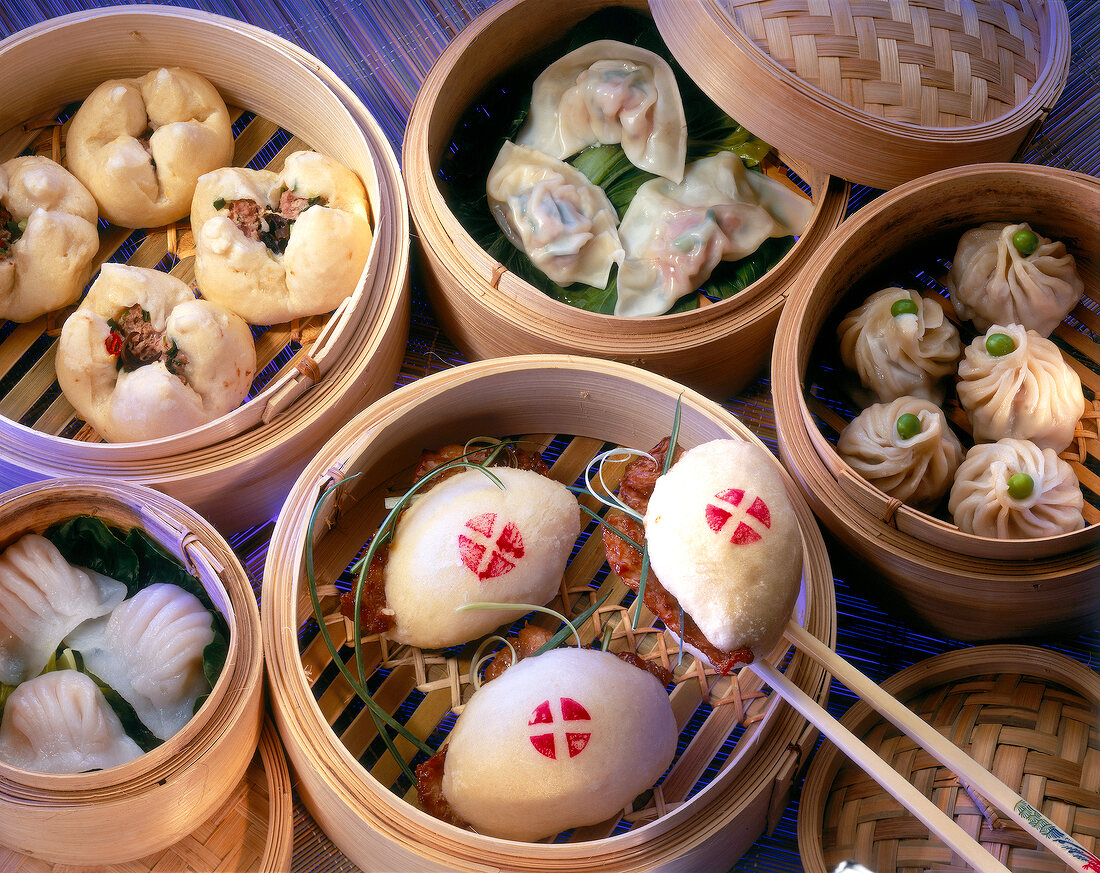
{"x": 468, "y": 540}
{"x": 142, "y": 358}
{"x": 48, "y": 237}
{"x": 564, "y": 739}
{"x": 140, "y": 145}
{"x": 724, "y": 541}
{"x": 276, "y": 246}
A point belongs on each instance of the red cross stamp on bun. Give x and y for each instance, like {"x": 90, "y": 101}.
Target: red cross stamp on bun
{"x": 554, "y": 732}
{"x": 746, "y": 523}
{"x": 488, "y": 547}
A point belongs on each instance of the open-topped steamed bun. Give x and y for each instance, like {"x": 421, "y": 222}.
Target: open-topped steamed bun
{"x": 564, "y": 739}
{"x": 467, "y": 540}
{"x": 140, "y": 145}
{"x": 724, "y": 541}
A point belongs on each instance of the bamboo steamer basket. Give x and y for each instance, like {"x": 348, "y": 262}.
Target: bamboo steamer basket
{"x": 487, "y": 311}
{"x": 965, "y": 586}
{"x": 143, "y": 806}
{"x": 313, "y": 373}
{"x": 1027, "y": 714}
{"x": 577, "y": 405}
{"x": 920, "y": 86}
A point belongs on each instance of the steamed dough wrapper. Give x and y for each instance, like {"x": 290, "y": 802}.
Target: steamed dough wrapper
{"x": 140, "y": 145}
{"x": 1030, "y": 393}
{"x": 992, "y": 282}
{"x": 981, "y": 502}
{"x": 277, "y": 246}
{"x": 610, "y": 92}
{"x": 204, "y": 357}
{"x": 552, "y": 213}
{"x": 42, "y": 599}
{"x": 60, "y": 722}
{"x": 898, "y": 355}
{"x": 917, "y": 469}
{"x": 724, "y": 541}
{"x": 465, "y": 541}
{"x": 674, "y": 235}
{"x": 46, "y": 255}
{"x": 564, "y": 739}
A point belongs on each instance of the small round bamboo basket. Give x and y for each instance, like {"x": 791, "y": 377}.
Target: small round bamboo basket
{"x": 312, "y": 374}
{"x": 919, "y": 86}
{"x": 719, "y": 794}
{"x": 965, "y": 586}
{"x": 487, "y": 311}
{"x": 1026, "y": 714}
{"x": 144, "y": 806}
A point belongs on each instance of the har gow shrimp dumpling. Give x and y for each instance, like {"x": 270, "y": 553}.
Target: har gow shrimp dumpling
{"x": 140, "y": 145}
{"x": 724, "y": 540}
{"x": 564, "y": 739}
{"x": 466, "y": 540}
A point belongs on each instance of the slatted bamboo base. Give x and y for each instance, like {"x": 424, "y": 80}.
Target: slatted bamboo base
{"x": 1028, "y": 715}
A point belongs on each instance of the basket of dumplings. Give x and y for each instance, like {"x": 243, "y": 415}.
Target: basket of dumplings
{"x": 936, "y": 396}
{"x": 130, "y": 677}
{"x": 504, "y": 611}
{"x": 576, "y": 192}
{"x": 203, "y": 266}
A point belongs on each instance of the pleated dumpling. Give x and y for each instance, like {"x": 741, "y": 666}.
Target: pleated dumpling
{"x": 1015, "y": 383}
{"x": 1012, "y": 489}
{"x": 150, "y": 650}
{"x": 993, "y": 281}
{"x": 42, "y": 598}
{"x": 552, "y": 213}
{"x": 904, "y": 448}
{"x": 675, "y": 234}
{"x": 610, "y": 92}
{"x": 60, "y": 722}
{"x": 900, "y": 343}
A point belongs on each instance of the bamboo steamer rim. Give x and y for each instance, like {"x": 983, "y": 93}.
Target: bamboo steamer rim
{"x": 222, "y": 736}
{"x": 924, "y": 677}
{"x": 317, "y": 751}
{"x": 362, "y": 360}
{"x": 523, "y": 318}
{"x": 892, "y": 150}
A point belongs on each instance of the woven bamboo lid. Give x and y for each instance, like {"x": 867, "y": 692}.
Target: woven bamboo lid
{"x": 1027, "y": 714}
{"x": 878, "y": 91}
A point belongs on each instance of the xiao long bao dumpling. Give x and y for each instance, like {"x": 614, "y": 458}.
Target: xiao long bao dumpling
{"x": 900, "y": 343}
{"x": 142, "y": 358}
{"x": 48, "y": 237}
{"x": 551, "y": 212}
{"x": 1012, "y": 489}
{"x": 1015, "y": 383}
{"x": 276, "y": 246}
{"x": 675, "y": 234}
{"x": 60, "y": 722}
{"x": 1008, "y": 274}
{"x": 904, "y": 448}
{"x": 140, "y": 145}
{"x": 610, "y": 92}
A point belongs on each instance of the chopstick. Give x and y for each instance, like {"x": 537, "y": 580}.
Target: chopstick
{"x": 970, "y": 773}
{"x": 937, "y": 821}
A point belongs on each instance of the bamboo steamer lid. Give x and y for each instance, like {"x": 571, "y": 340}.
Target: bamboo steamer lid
{"x": 142, "y": 807}
{"x": 878, "y": 92}
{"x": 965, "y": 586}
{"x": 1026, "y": 714}
{"x": 577, "y": 405}
{"x": 487, "y": 311}
{"x": 319, "y": 371}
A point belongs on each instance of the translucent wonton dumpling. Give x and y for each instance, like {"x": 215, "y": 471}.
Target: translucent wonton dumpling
{"x": 555, "y": 215}
{"x": 610, "y": 92}
{"x": 675, "y": 234}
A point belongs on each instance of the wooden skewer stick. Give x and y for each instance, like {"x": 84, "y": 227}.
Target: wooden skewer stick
{"x": 937, "y": 821}
{"x": 970, "y": 773}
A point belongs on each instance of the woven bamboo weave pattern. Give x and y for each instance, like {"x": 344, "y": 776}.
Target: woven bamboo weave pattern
{"x": 937, "y": 63}
{"x": 1038, "y": 738}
